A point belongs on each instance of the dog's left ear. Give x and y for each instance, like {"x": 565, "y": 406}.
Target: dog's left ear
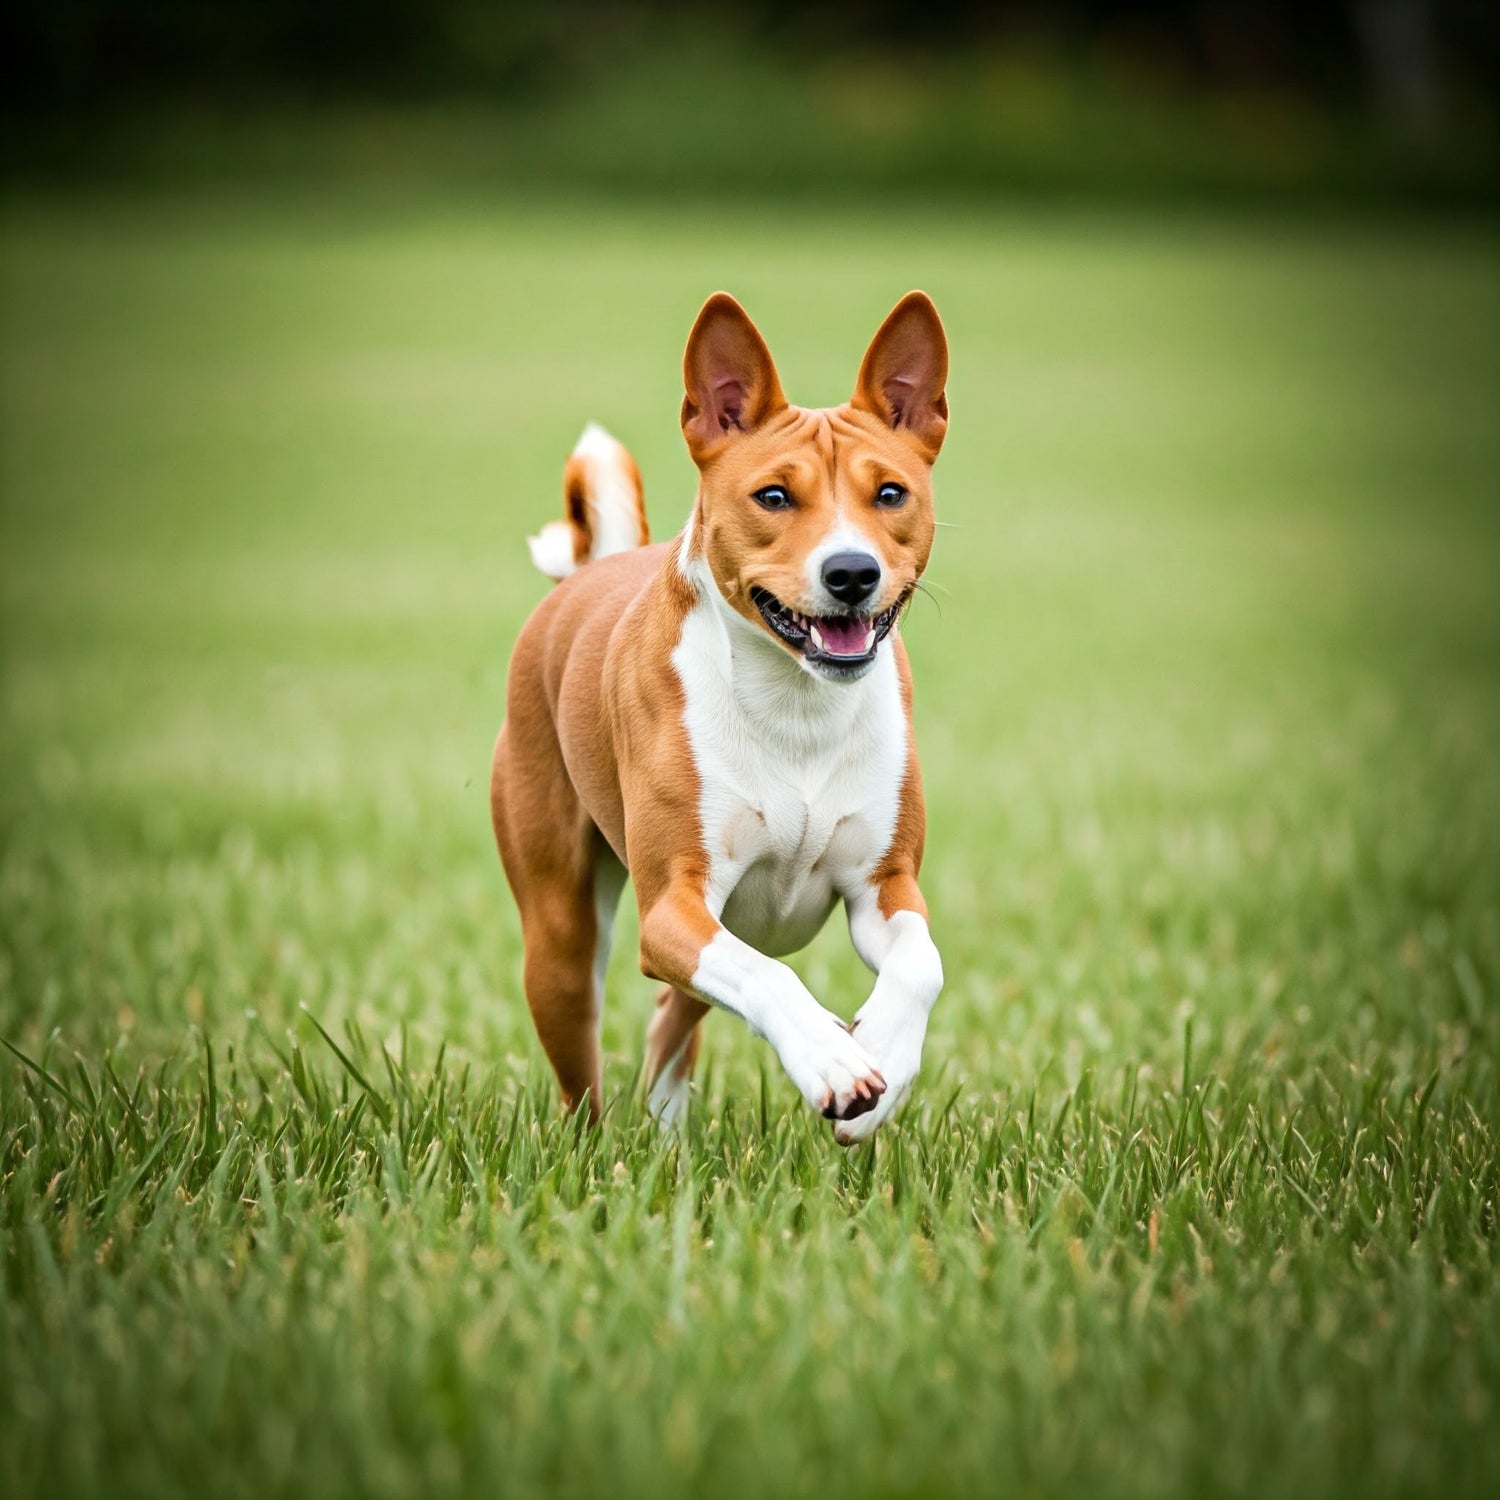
{"x": 905, "y": 373}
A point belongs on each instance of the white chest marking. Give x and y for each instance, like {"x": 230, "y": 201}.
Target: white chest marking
{"x": 801, "y": 777}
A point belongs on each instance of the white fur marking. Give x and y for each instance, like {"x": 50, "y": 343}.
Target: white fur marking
{"x": 843, "y": 538}
{"x": 820, "y": 1057}
{"x": 801, "y": 784}
{"x": 684, "y": 552}
{"x": 892, "y": 1023}
{"x": 800, "y": 776}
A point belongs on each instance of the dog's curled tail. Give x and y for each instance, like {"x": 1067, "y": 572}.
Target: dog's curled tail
{"x": 605, "y": 507}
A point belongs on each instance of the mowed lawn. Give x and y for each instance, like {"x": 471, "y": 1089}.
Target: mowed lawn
{"x": 1198, "y": 1192}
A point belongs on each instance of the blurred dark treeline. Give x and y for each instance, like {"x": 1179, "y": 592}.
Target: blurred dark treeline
{"x": 1364, "y": 98}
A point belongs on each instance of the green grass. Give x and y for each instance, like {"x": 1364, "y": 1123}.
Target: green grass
{"x": 1198, "y": 1190}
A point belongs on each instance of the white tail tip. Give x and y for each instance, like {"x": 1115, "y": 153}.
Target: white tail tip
{"x": 552, "y": 549}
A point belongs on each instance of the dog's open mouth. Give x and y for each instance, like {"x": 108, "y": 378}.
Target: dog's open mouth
{"x": 830, "y": 641}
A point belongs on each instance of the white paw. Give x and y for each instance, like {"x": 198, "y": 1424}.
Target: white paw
{"x": 832, "y": 1071}
{"x": 668, "y": 1099}
{"x": 893, "y": 1036}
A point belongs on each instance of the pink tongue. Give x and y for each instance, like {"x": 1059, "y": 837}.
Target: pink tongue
{"x": 845, "y": 637}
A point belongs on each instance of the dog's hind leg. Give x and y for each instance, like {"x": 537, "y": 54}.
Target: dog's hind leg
{"x": 567, "y": 885}
{"x": 671, "y": 1048}
{"x": 559, "y": 980}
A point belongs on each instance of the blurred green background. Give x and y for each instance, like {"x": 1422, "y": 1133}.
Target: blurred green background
{"x": 1365, "y": 102}
{"x": 300, "y": 312}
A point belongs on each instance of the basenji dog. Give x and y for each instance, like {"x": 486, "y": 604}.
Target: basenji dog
{"x": 726, "y": 720}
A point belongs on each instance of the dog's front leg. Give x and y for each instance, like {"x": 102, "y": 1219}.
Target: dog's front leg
{"x": 683, "y": 944}
{"x": 888, "y": 925}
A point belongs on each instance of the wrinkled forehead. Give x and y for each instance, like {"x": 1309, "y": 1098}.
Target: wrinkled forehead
{"x": 821, "y": 451}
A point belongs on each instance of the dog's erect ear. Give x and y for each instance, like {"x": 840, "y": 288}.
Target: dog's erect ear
{"x": 905, "y": 372}
{"x": 731, "y": 382}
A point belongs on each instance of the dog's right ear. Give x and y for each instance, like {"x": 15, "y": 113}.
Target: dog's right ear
{"x": 729, "y": 377}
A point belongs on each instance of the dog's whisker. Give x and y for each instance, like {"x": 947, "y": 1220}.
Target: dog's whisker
{"x": 936, "y": 602}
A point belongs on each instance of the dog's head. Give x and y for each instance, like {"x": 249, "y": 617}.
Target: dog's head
{"x": 816, "y": 525}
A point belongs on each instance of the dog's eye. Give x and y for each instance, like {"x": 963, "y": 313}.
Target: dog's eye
{"x": 772, "y": 497}
{"x": 890, "y": 496}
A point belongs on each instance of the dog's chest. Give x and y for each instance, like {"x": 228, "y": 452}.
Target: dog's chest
{"x": 800, "y": 787}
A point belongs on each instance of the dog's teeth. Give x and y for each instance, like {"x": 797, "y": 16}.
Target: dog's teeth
{"x": 817, "y": 637}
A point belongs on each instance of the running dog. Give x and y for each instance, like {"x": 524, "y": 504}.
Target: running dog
{"x": 726, "y": 718}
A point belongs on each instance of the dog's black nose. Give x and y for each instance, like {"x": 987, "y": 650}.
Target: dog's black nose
{"x": 851, "y": 577}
